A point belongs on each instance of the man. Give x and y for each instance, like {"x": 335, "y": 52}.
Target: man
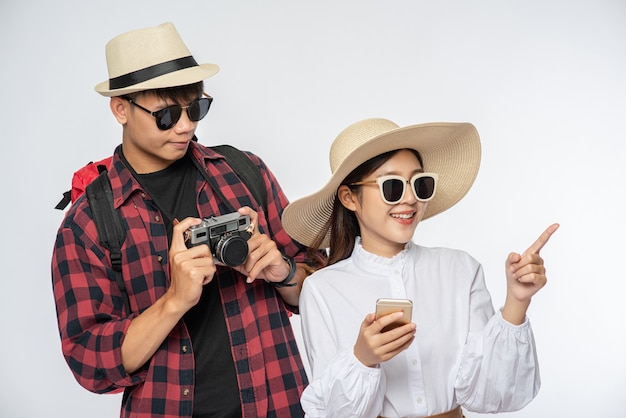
{"x": 201, "y": 339}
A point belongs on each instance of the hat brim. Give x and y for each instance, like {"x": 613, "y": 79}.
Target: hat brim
{"x": 452, "y": 150}
{"x": 178, "y": 78}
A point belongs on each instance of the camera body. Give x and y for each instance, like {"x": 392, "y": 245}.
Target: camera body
{"x": 226, "y": 236}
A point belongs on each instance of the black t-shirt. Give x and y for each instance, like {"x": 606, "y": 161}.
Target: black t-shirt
{"x": 216, "y": 389}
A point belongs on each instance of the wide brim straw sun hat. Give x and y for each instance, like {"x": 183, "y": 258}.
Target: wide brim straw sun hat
{"x": 151, "y": 58}
{"x": 450, "y": 149}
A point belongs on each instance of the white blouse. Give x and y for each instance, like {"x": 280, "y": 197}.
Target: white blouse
{"x": 463, "y": 352}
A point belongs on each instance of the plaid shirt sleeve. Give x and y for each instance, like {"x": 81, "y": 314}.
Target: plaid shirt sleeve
{"x": 88, "y": 305}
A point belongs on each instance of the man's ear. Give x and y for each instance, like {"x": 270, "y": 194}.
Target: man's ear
{"x": 347, "y": 197}
{"x": 119, "y": 108}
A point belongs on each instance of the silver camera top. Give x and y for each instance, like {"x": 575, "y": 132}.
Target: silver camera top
{"x": 217, "y": 226}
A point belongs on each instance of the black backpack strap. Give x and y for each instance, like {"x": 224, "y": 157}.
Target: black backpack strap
{"x": 65, "y": 200}
{"x": 67, "y": 196}
{"x": 246, "y": 170}
{"x": 109, "y": 225}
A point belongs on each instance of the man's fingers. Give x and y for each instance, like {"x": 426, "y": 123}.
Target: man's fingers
{"x": 178, "y": 235}
{"x": 542, "y": 240}
{"x": 254, "y": 217}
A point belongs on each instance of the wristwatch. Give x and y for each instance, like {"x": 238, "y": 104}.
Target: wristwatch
{"x": 290, "y": 276}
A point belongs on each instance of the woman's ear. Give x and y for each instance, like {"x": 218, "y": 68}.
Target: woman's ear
{"x": 347, "y": 197}
{"x": 119, "y": 107}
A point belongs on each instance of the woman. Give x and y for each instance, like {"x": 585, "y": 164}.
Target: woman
{"x": 457, "y": 351}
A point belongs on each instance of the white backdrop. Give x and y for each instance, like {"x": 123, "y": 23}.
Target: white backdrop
{"x": 543, "y": 81}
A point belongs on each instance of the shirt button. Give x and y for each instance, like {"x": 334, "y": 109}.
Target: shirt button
{"x": 186, "y": 392}
{"x": 414, "y": 362}
{"x": 159, "y": 258}
{"x": 157, "y": 218}
{"x": 143, "y": 194}
{"x": 419, "y": 400}
{"x": 184, "y": 348}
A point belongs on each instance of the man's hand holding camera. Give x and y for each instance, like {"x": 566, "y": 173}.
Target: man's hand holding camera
{"x": 190, "y": 268}
{"x": 232, "y": 240}
{"x": 264, "y": 260}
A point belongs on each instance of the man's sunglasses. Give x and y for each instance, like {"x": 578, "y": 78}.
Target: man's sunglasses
{"x": 392, "y": 188}
{"x": 167, "y": 117}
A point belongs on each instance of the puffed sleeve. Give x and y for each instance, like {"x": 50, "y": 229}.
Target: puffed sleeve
{"x": 499, "y": 370}
{"x": 341, "y": 386}
{"x": 345, "y": 388}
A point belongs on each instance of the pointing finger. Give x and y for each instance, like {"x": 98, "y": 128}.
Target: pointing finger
{"x": 542, "y": 240}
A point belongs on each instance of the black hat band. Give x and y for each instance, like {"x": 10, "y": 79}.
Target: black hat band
{"x": 151, "y": 72}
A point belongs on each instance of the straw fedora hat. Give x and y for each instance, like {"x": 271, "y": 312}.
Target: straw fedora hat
{"x": 150, "y": 58}
{"x": 451, "y": 150}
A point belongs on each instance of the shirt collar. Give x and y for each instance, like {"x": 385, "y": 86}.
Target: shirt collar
{"x": 372, "y": 261}
{"x": 124, "y": 184}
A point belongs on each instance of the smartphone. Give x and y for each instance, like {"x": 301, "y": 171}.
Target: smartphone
{"x": 386, "y": 306}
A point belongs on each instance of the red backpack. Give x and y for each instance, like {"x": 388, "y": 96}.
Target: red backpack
{"x": 81, "y": 179}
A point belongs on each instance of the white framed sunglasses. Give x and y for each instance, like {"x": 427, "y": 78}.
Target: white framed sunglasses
{"x": 392, "y": 187}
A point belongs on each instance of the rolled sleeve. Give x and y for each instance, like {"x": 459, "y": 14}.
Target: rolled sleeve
{"x": 91, "y": 327}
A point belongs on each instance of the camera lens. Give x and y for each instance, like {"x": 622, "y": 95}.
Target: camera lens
{"x": 231, "y": 250}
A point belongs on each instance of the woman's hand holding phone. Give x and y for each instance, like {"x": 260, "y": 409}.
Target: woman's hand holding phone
{"x": 386, "y": 306}
{"x": 374, "y": 346}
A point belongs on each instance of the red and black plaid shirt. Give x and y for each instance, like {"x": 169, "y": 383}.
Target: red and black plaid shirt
{"x": 92, "y": 325}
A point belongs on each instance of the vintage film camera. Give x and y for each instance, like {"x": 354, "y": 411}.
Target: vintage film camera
{"x": 226, "y": 236}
